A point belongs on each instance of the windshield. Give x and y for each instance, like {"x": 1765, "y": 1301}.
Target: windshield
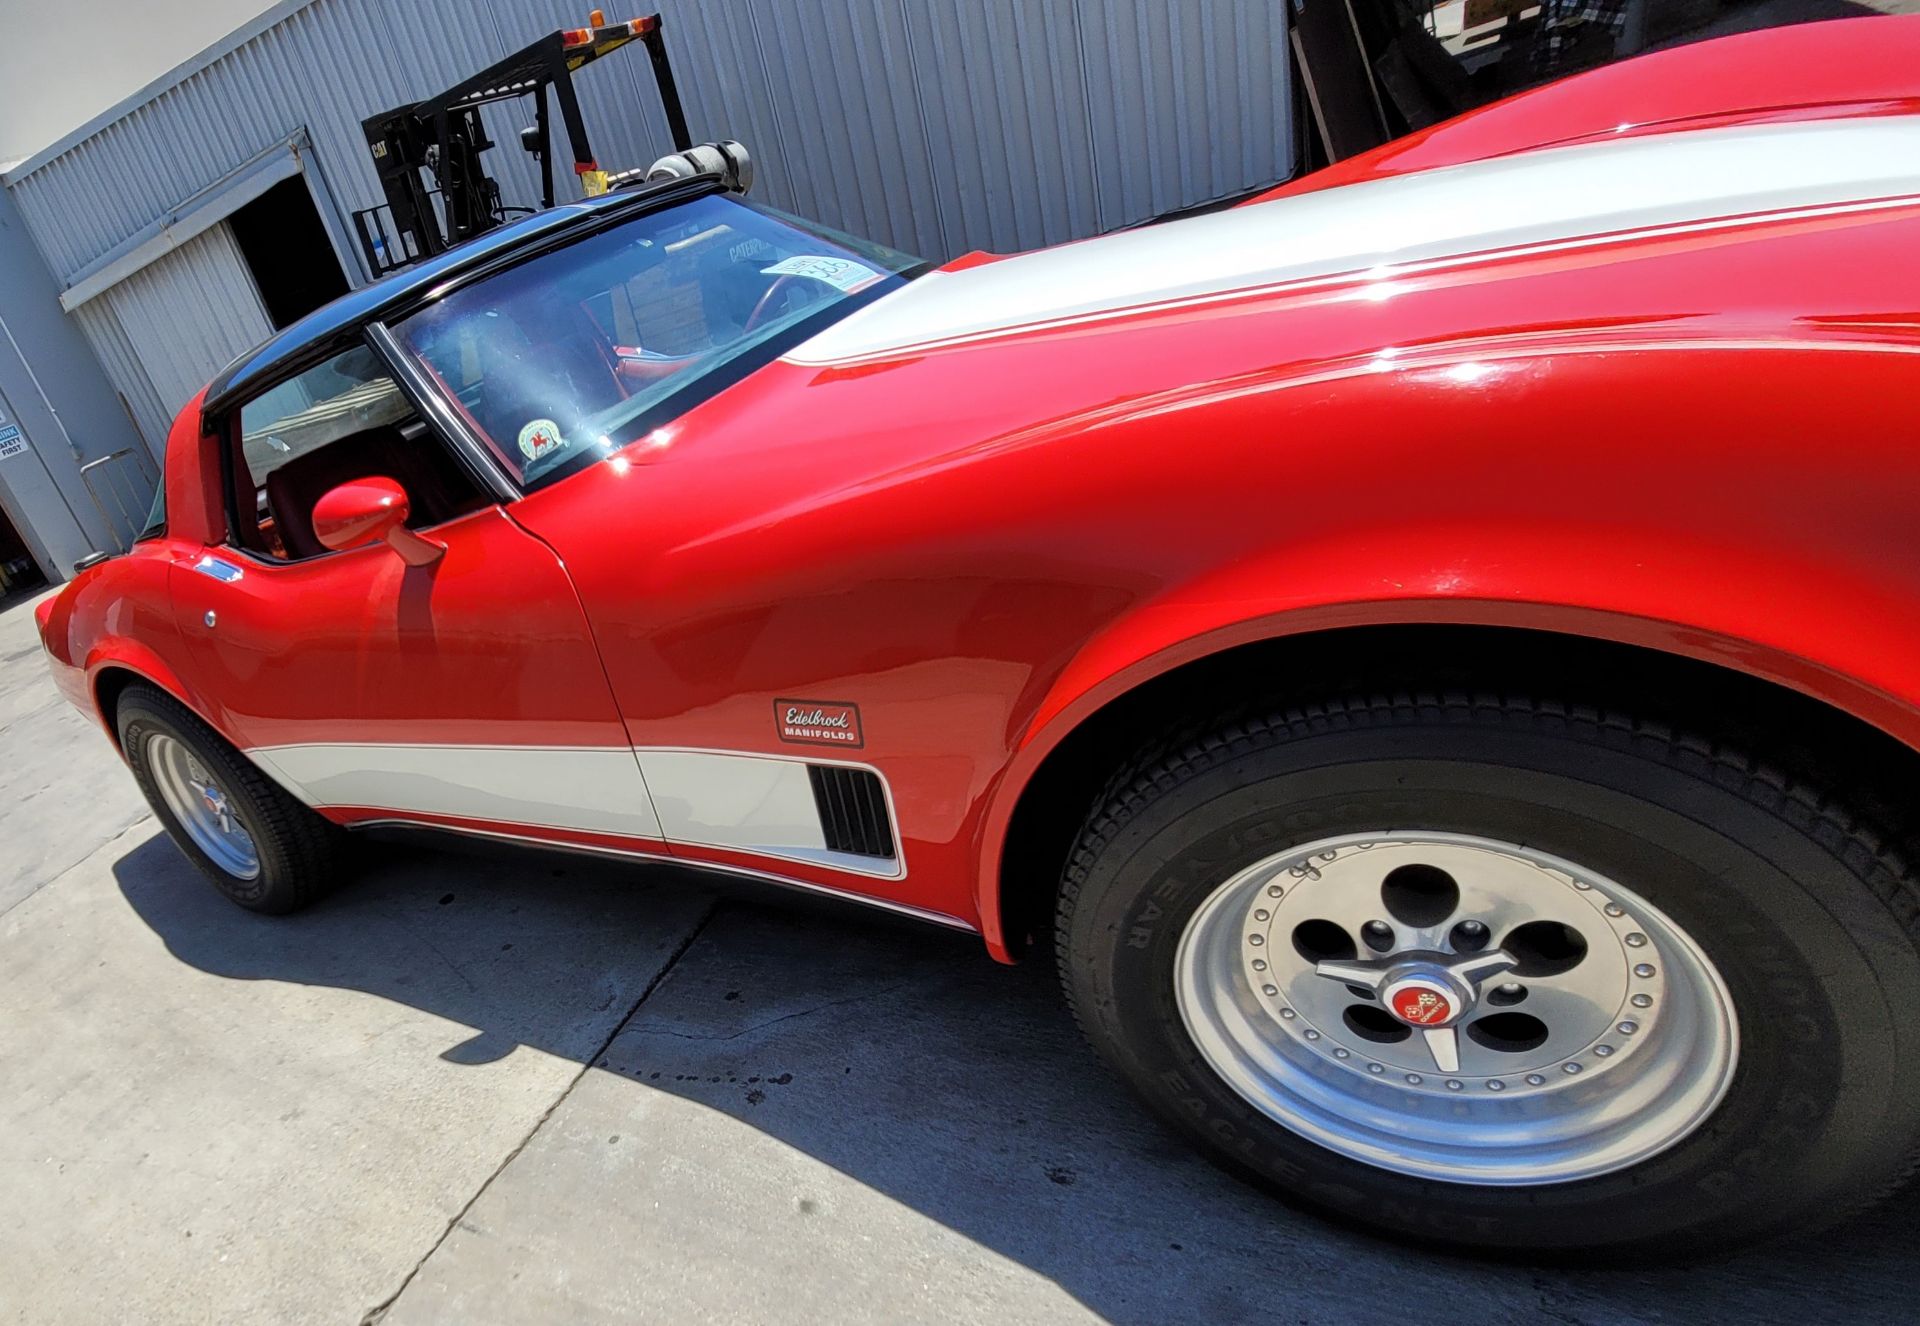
{"x": 562, "y": 359}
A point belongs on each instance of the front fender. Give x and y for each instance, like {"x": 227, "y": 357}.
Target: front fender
{"x": 1162, "y": 637}
{"x": 1774, "y": 541}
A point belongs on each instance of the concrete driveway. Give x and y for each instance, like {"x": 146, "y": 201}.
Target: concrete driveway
{"x": 471, "y": 1089}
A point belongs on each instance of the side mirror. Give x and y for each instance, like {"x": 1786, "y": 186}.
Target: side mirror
{"x": 362, "y": 510}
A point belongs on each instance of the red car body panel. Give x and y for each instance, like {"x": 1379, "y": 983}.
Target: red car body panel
{"x": 1694, "y": 439}
{"x": 490, "y": 648}
{"x": 772, "y": 547}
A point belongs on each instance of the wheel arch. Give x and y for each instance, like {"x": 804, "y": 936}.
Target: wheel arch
{"x": 1810, "y": 715}
{"x": 109, "y": 677}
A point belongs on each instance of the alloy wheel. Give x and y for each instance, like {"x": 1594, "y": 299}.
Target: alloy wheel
{"x": 1456, "y": 1008}
{"x": 201, "y": 806}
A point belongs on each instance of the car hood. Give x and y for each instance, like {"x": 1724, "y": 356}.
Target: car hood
{"x": 1542, "y": 200}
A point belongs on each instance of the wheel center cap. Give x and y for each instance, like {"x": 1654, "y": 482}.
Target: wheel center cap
{"x": 1424, "y": 1000}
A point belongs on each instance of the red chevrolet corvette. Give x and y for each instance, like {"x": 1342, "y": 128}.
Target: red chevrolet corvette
{"x": 1435, "y": 651}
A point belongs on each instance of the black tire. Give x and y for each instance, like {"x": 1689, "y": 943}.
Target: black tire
{"x": 302, "y": 856}
{"x": 1811, "y": 919}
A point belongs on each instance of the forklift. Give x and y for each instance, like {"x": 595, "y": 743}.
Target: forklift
{"x": 431, "y": 149}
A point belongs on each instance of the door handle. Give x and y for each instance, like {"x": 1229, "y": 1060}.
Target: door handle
{"x": 219, "y": 568}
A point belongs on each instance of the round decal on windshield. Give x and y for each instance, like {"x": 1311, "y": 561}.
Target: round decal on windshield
{"x": 540, "y": 438}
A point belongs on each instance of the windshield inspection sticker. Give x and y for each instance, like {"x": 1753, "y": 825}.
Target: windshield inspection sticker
{"x": 540, "y": 438}
{"x": 840, "y": 273}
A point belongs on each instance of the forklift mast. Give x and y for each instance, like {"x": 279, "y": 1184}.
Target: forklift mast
{"x": 443, "y": 137}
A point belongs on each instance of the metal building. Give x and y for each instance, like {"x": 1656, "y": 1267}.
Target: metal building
{"x": 74, "y": 474}
{"x": 937, "y": 126}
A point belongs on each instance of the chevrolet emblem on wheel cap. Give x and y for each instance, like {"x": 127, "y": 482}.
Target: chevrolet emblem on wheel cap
{"x": 1423, "y": 1008}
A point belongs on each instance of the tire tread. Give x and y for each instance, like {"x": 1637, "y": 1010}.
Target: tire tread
{"x": 1868, "y": 852}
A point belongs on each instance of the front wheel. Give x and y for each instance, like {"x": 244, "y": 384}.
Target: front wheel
{"x": 1505, "y": 974}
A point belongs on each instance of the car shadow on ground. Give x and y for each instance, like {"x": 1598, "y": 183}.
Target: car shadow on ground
{"x": 905, "y": 1059}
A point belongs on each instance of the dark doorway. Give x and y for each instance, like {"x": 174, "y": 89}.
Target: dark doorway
{"x": 287, "y": 249}
{"x": 18, "y": 570}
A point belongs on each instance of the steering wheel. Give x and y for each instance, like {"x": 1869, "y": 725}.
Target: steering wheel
{"x": 768, "y": 302}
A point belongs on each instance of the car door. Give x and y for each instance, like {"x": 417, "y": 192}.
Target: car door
{"x": 465, "y": 693}
{"x": 563, "y": 360}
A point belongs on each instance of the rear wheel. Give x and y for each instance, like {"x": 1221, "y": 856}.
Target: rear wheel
{"x": 260, "y": 847}
{"x": 1505, "y": 974}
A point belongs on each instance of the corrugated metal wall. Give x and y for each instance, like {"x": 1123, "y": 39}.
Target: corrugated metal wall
{"x": 161, "y": 327}
{"x": 934, "y": 125}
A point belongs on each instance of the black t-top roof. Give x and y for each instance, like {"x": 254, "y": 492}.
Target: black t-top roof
{"x": 321, "y": 332}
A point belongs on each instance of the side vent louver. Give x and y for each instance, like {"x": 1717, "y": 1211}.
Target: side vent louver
{"x": 853, "y": 810}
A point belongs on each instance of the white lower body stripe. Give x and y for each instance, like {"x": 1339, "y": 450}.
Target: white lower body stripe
{"x": 732, "y": 800}
{"x": 591, "y": 789}
{"x": 752, "y": 803}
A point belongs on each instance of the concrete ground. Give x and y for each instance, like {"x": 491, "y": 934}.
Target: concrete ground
{"x": 472, "y": 1090}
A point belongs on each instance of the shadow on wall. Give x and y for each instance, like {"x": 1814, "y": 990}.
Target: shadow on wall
{"x": 902, "y": 1057}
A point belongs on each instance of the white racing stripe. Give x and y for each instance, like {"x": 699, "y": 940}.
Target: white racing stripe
{"x": 734, "y": 800}
{"x": 593, "y": 789}
{"x": 1532, "y": 199}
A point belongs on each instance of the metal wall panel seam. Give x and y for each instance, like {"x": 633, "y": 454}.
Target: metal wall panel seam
{"x": 1102, "y": 221}
{"x": 947, "y": 238}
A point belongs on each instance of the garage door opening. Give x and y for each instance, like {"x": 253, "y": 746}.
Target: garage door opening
{"x": 286, "y": 248}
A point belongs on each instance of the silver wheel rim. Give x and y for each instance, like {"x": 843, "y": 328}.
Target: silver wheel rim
{"x": 1640, "y": 1037}
{"x": 201, "y": 806}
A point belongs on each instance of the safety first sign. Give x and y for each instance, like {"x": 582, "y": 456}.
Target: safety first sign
{"x": 11, "y": 443}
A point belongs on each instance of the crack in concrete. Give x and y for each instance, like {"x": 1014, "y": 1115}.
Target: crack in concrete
{"x": 808, "y": 1011}
{"x": 378, "y": 1311}
{"x": 55, "y": 876}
